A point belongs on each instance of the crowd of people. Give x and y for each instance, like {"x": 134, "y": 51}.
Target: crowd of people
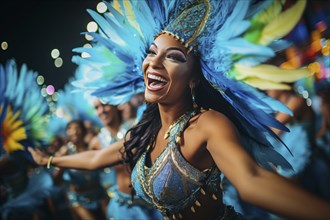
{"x": 185, "y": 135}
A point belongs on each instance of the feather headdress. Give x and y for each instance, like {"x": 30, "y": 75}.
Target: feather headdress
{"x": 72, "y": 105}
{"x": 232, "y": 38}
{"x": 23, "y": 111}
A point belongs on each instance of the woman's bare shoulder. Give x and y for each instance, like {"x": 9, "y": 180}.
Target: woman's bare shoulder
{"x": 211, "y": 120}
{"x": 210, "y": 115}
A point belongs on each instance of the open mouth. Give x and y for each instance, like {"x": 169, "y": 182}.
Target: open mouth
{"x": 155, "y": 82}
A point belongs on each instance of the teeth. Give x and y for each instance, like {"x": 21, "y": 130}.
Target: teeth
{"x": 151, "y": 76}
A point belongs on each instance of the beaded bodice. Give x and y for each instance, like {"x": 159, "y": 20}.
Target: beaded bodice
{"x": 172, "y": 184}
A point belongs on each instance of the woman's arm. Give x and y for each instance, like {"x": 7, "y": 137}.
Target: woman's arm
{"x": 255, "y": 184}
{"x": 89, "y": 160}
{"x": 296, "y": 104}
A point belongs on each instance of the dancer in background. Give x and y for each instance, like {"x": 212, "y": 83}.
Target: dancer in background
{"x": 116, "y": 179}
{"x": 85, "y": 192}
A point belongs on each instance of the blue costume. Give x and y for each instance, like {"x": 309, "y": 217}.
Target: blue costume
{"x": 171, "y": 184}
{"x": 90, "y": 192}
{"x": 107, "y": 175}
{"x": 122, "y": 205}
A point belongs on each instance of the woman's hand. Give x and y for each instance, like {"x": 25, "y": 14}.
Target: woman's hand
{"x": 38, "y": 157}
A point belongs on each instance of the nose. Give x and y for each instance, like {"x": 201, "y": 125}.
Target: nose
{"x": 157, "y": 61}
{"x": 101, "y": 109}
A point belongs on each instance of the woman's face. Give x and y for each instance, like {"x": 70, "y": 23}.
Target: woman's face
{"x": 74, "y": 132}
{"x": 168, "y": 70}
{"x": 106, "y": 113}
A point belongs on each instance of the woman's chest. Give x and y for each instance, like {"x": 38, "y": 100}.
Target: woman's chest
{"x": 190, "y": 144}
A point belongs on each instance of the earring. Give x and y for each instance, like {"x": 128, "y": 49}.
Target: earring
{"x": 192, "y": 91}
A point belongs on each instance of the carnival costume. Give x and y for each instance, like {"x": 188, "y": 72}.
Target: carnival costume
{"x": 232, "y": 40}
{"x": 23, "y": 118}
{"x": 122, "y": 205}
{"x": 90, "y": 192}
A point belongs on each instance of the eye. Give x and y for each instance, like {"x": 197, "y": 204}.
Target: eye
{"x": 177, "y": 57}
{"x": 150, "y": 52}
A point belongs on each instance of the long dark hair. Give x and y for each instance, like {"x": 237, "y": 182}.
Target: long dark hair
{"x": 145, "y": 131}
{"x": 142, "y": 134}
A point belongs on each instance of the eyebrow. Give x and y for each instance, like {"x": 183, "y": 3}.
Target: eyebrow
{"x": 175, "y": 48}
{"x": 170, "y": 48}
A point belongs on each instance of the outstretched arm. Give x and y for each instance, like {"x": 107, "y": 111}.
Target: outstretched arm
{"x": 256, "y": 185}
{"x": 297, "y": 105}
{"x": 89, "y": 160}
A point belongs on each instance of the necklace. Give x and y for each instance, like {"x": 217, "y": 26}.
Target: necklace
{"x": 168, "y": 131}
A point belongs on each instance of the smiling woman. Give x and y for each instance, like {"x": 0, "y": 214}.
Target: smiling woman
{"x": 202, "y": 120}
{"x": 167, "y": 71}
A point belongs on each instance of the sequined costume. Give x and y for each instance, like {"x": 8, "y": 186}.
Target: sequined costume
{"x": 87, "y": 183}
{"x": 108, "y": 176}
{"x": 122, "y": 205}
{"x": 171, "y": 184}
{"x": 126, "y": 206}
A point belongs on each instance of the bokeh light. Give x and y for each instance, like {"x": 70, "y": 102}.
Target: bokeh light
{"x": 101, "y": 7}
{"x": 55, "y": 53}
{"x": 92, "y": 26}
{"x": 4, "y": 45}
{"x": 43, "y": 92}
{"x": 85, "y": 55}
{"x": 50, "y": 89}
{"x": 58, "y": 62}
{"x": 87, "y": 45}
{"x": 55, "y": 96}
{"x": 40, "y": 80}
{"x": 88, "y": 37}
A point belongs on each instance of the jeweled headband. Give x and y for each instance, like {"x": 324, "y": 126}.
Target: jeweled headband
{"x": 188, "y": 22}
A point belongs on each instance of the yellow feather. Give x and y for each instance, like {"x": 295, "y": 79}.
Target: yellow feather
{"x": 130, "y": 16}
{"x": 13, "y": 131}
{"x": 270, "y": 13}
{"x": 283, "y": 23}
{"x": 16, "y": 124}
{"x": 270, "y": 73}
{"x": 116, "y": 6}
{"x": 12, "y": 145}
{"x": 264, "y": 84}
{"x": 19, "y": 134}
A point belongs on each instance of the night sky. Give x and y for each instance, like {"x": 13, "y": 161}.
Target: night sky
{"x": 33, "y": 28}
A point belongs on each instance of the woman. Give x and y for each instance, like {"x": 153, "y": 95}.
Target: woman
{"x": 209, "y": 139}
{"x": 85, "y": 192}
{"x": 117, "y": 180}
{"x": 178, "y": 150}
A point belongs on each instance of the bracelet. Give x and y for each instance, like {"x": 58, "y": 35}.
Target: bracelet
{"x": 49, "y": 162}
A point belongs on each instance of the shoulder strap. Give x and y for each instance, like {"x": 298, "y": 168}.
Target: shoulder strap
{"x": 179, "y": 126}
